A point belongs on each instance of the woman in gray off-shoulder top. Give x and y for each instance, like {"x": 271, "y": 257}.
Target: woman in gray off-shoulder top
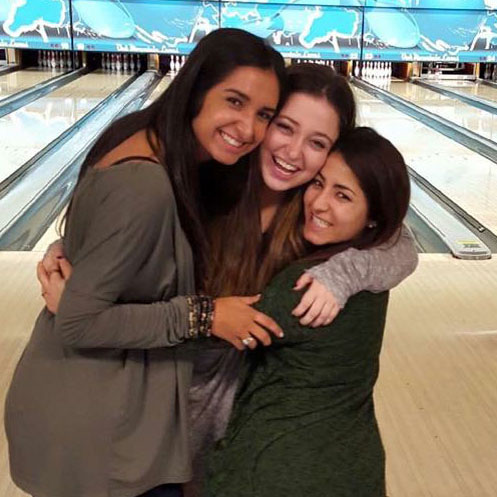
{"x": 97, "y": 406}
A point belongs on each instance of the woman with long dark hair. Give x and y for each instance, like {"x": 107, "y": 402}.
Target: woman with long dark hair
{"x": 303, "y": 423}
{"x": 98, "y": 403}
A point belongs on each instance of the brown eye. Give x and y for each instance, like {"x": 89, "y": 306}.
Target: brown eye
{"x": 284, "y": 127}
{"x": 265, "y": 116}
{"x": 316, "y": 183}
{"x": 319, "y": 145}
{"x": 234, "y": 101}
{"x": 342, "y": 196}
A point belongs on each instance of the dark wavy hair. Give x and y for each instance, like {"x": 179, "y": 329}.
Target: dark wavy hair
{"x": 382, "y": 174}
{"x": 167, "y": 121}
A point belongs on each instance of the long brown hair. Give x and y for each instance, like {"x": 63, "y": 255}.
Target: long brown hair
{"x": 382, "y": 175}
{"x": 242, "y": 259}
{"x": 169, "y": 119}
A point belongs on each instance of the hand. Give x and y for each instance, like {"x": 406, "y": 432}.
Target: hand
{"x": 52, "y": 256}
{"x": 240, "y": 324}
{"x": 318, "y": 306}
{"x": 53, "y": 283}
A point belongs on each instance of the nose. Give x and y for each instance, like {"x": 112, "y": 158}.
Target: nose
{"x": 246, "y": 126}
{"x": 294, "y": 148}
{"x": 321, "y": 202}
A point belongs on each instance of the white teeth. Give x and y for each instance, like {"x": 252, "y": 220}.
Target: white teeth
{"x": 287, "y": 167}
{"x": 320, "y": 222}
{"x": 230, "y": 140}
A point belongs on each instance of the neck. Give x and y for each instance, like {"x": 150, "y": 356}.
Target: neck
{"x": 269, "y": 204}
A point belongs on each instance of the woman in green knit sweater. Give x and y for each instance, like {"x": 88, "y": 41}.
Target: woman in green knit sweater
{"x": 303, "y": 423}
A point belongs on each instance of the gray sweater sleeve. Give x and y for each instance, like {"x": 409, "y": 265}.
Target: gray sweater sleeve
{"x": 126, "y": 221}
{"x": 376, "y": 270}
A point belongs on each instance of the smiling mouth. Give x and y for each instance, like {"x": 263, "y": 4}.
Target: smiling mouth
{"x": 284, "y": 166}
{"x": 320, "y": 223}
{"x": 233, "y": 142}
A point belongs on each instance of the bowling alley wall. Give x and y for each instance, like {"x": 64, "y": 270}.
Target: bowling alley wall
{"x": 394, "y": 30}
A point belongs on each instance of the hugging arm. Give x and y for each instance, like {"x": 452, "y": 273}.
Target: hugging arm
{"x": 119, "y": 241}
{"x": 377, "y": 269}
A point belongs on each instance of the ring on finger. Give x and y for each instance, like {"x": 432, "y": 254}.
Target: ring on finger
{"x": 247, "y": 341}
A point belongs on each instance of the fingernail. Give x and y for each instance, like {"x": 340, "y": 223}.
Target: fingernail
{"x": 281, "y": 335}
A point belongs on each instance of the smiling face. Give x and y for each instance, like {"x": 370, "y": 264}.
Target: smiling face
{"x": 298, "y": 141}
{"x": 235, "y": 114}
{"x": 335, "y": 207}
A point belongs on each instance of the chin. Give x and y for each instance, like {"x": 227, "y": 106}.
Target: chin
{"x": 314, "y": 239}
{"x": 227, "y": 160}
{"x": 274, "y": 184}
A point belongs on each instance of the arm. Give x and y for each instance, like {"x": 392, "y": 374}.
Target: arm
{"x": 376, "y": 270}
{"x": 131, "y": 211}
{"x": 362, "y": 317}
{"x": 132, "y": 206}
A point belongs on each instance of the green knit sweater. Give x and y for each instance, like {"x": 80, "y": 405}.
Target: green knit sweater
{"x": 303, "y": 423}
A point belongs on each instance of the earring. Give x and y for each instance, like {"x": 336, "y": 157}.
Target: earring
{"x": 372, "y": 224}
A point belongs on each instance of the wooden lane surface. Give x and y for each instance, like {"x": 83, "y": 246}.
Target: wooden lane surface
{"x": 436, "y": 397}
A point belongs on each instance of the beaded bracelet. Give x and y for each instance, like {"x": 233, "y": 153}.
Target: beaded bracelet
{"x": 200, "y": 315}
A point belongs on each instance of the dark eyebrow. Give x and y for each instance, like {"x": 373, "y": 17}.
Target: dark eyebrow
{"x": 239, "y": 93}
{"x": 289, "y": 119}
{"x": 246, "y": 98}
{"x": 343, "y": 187}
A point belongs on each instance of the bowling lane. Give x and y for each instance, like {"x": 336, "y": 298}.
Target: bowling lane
{"x": 52, "y": 233}
{"x": 21, "y": 80}
{"x": 476, "y": 120}
{"x": 467, "y": 178}
{"x": 469, "y": 88}
{"x": 25, "y": 132}
{"x": 159, "y": 89}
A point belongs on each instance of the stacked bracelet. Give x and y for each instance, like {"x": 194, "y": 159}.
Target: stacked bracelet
{"x": 200, "y": 315}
